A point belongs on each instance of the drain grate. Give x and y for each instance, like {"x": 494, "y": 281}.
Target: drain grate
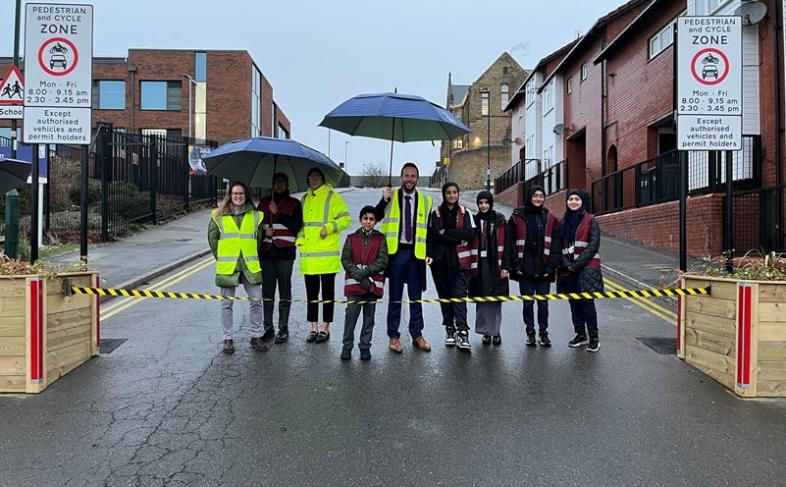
{"x": 108, "y": 345}
{"x": 663, "y": 346}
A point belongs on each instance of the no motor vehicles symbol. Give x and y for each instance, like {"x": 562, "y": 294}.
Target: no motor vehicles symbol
{"x": 710, "y": 66}
{"x": 58, "y": 56}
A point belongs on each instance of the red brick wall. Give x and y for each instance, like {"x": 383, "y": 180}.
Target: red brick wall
{"x": 512, "y": 196}
{"x": 228, "y": 95}
{"x": 639, "y": 89}
{"x": 267, "y": 108}
{"x": 768, "y": 84}
{"x": 658, "y": 225}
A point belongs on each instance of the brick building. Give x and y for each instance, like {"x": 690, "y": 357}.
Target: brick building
{"x": 619, "y": 136}
{"x": 481, "y": 107}
{"x": 211, "y": 94}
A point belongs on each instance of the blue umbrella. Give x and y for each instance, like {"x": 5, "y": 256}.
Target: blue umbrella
{"x": 13, "y": 174}
{"x": 254, "y": 161}
{"x": 394, "y": 117}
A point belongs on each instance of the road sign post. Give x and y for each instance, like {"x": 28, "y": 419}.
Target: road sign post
{"x": 709, "y": 100}
{"x": 58, "y": 82}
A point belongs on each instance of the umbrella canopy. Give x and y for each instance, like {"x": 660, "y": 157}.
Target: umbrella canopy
{"x": 394, "y": 116}
{"x": 254, "y": 161}
{"x": 13, "y": 174}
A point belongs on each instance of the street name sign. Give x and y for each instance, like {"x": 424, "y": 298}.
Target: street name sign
{"x": 58, "y": 72}
{"x": 709, "y": 83}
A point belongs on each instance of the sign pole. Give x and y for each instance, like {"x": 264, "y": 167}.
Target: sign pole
{"x": 34, "y": 207}
{"x": 683, "y": 158}
{"x": 16, "y": 63}
{"x": 83, "y": 209}
{"x": 728, "y": 223}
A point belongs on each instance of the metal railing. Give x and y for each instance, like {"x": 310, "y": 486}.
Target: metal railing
{"x": 656, "y": 180}
{"x": 553, "y": 179}
{"x": 518, "y": 173}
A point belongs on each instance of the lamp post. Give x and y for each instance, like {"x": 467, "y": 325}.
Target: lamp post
{"x": 486, "y": 112}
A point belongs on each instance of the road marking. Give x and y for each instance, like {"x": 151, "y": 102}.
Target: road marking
{"x": 650, "y": 302}
{"x": 129, "y": 302}
{"x": 644, "y": 304}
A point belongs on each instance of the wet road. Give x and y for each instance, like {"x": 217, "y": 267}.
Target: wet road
{"x": 167, "y": 408}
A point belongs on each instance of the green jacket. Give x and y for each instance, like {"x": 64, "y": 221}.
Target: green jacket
{"x": 214, "y": 234}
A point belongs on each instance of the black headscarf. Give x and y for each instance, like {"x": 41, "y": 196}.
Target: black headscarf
{"x": 486, "y": 195}
{"x": 279, "y": 197}
{"x": 573, "y": 218}
{"x": 528, "y": 206}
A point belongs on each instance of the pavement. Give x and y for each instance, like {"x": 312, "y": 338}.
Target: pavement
{"x": 166, "y": 407}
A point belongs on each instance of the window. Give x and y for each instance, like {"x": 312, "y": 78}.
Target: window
{"x": 584, "y": 71}
{"x": 707, "y": 7}
{"x": 162, "y": 95}
{"x": 109, "y": 95}
{"x": 505, "y": 70}
{"x": 570, "y": 85}
{"x": 484, "y": 102}
{"x": 548, "y": 97}
{"x": 663, "y": 39}
{"x": 458, "y": 143}
{"x": 529, "y": 95}
{"x": 256, "y": 95}
{"x": 282, "y": 132}
{"x": 521, "y": 111}
{"x": 200, "y": 66}
{"x": 548, "y": 156}
{"x": 504, "y": 92}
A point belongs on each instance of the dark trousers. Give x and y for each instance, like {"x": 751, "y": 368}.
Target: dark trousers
{"x": 351, "y": 319}
{"x": 277, "y": 272}
{"x": 404, "y": 268}
{"x": 582, "y": 311}
{"x": 328, "y": 283}
{"x": 452, "y": 284}
{"x": 530, "y": 286}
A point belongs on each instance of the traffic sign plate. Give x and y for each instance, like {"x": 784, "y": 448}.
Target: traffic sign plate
{"x": 12, "y": 89}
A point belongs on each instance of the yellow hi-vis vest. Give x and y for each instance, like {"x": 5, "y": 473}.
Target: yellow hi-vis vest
{"x": 392, "y": 223}
{"x": 236, "y": 242}
{"x": 322, "y": 208}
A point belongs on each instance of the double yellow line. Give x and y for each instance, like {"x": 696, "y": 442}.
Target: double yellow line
{"x": 646, "y": 304}
{"x": 126, "y": 303}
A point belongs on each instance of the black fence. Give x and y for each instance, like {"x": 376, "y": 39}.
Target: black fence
{"x": 132, "y": 179}
{"x": 518, "y": 173}
{"x": 656, "y": 180}
{"x": 758, "y": 225}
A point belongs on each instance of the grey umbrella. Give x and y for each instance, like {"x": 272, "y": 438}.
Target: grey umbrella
{"x": 13, "y": 174}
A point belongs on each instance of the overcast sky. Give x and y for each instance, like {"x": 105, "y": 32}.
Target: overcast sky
{"x": 318, "y": 53}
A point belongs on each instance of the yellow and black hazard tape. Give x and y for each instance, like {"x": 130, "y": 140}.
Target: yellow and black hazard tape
{"x": 651, "y": 293}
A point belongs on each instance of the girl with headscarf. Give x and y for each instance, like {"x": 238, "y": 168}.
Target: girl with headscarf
{"x": 581, "y": 271}
{"x": 448, "y": 252}
{"x": 534, "y": 254}
{"x": 490, "y": 275}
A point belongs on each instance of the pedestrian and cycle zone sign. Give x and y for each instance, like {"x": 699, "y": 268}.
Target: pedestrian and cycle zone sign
{"x": 58, "y": 72}
{"x": 709, "y": 83}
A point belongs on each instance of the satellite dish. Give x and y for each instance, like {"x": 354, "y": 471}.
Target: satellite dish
{"x": 751, "y": 12}
{"x": 559, "y": 129}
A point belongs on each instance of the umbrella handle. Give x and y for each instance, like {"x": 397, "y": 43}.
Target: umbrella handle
{"x": 392, "y": 140}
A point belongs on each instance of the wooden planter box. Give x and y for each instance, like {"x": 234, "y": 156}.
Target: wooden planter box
{"x": 737, "y": 334}
{"x": 44, "y": 334}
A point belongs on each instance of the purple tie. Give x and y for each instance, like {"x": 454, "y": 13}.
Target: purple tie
{"x": 408, "y": 219}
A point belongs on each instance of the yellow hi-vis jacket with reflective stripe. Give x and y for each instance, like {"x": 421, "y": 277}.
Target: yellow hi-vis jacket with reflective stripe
{"x": 392, "y": 223}
{"x": 322, "y": 208}
{"x": 236, "y": 243}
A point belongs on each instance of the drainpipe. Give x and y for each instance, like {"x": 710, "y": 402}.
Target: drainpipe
{"x": 132, "y": 72}
{"x": 777, "y": 30}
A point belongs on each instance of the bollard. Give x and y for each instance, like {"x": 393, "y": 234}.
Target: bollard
{"x": 12, "y": 224}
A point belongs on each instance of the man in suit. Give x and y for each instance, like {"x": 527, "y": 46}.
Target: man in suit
{"x": 404, "y": 215}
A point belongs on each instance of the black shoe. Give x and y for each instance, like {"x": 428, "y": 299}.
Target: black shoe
{"x": 530, "y": 341}
{"x": 258, "y": 345}
{"x": 283, "y": 335}
{"x": 346, "y": 354}
{"x": 268, "y": 335}
{"x": 229, "y": 347}
{"x": 322, "y": 336}
{"x": 496, "y": 340}
{"x": 594, "y": 345}
{"x": 486, "y": 339}
{"x": 462, "y": 341}
{"x": 450, "y": 336}
{"x": 365, "y": 355}
{"x": 578, "y": 341}
{"x": 544, "y": 340}
{"x": 312, "y": 335}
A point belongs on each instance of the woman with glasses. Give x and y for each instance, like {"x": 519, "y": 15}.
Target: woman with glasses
{"x": 234, "y": 237}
